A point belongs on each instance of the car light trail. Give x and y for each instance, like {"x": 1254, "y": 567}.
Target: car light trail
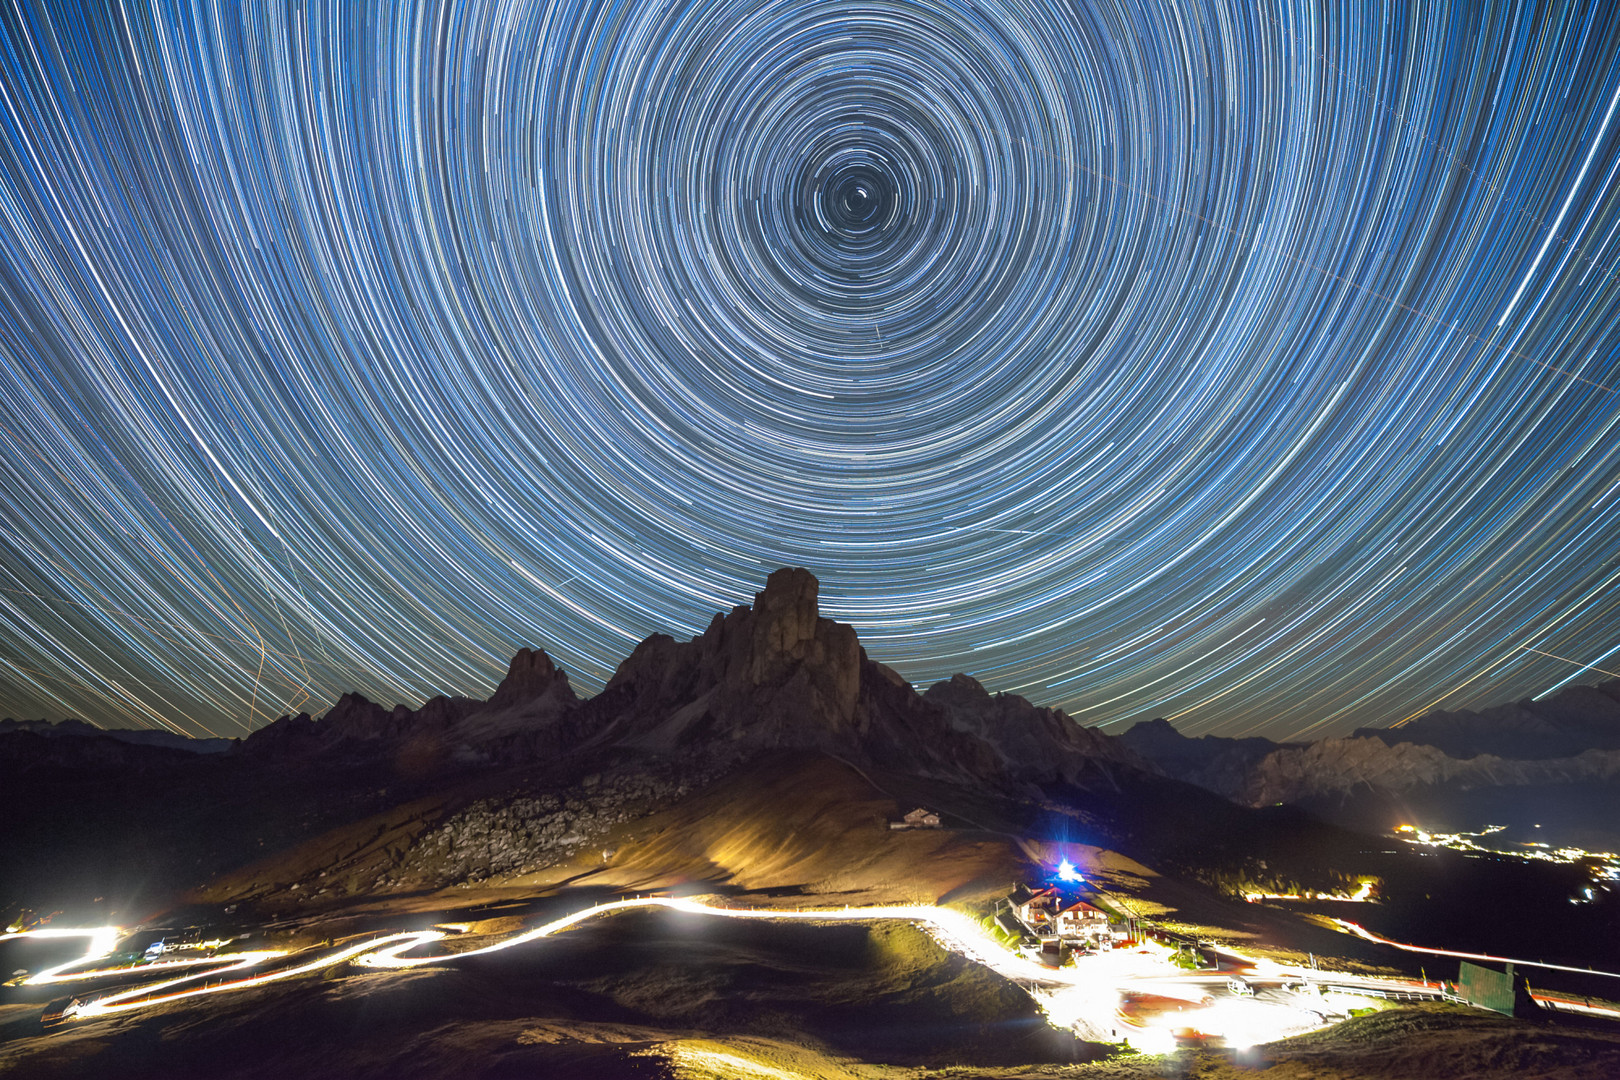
{"x": 148, "y": 995}
{"x": 103, "y": 939}
{"x": 1564, "y": 1003}
{"x": 1085, "y": 998}
{"x": 1362, "y": 932}
{"x": 151, "y": 993}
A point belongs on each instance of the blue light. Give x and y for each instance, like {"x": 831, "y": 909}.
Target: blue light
{"x": 1066, "y": 872}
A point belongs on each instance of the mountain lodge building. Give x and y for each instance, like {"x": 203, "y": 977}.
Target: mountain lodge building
{"x": 917, "y": 819}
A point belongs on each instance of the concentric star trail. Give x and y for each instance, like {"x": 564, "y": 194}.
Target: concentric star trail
{"x": 1254, "y": 366}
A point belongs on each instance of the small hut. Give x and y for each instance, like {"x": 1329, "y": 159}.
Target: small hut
{"x": 917, "y": 819}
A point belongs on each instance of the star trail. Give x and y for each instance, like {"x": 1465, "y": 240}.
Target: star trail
{"x": 1254, "y": 365}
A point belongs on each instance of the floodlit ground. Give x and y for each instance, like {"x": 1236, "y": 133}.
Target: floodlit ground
{"x": 676, "y": 993}
{"x": 1426, "y": 1042}
{"x": 614, "y": 997}
{"x": 678, "y": 990}
{"x": 652, "y": 966}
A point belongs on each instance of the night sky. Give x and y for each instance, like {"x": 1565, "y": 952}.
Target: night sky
{"x": 1254, "y": 366}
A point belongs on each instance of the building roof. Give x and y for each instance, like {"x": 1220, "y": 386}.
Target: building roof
{"x": 1083, "y": 908}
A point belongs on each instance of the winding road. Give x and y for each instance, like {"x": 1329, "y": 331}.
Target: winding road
{"x": 1126, "y": 995}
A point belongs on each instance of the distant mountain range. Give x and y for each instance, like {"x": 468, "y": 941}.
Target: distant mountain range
{"x": 1576, "y": 719}
{"x": 776, "y": 675}
{"x": 70, "y": 729}
{"x": 1571, "y": 737}
{"x": 1546, "y": 772}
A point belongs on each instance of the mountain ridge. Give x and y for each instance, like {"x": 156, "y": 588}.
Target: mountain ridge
{"x": 767, "y": 676}
{"x": 1575, "y": 719}
{"x": 776, "y": 674}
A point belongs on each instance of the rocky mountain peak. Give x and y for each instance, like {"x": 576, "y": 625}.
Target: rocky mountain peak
{"x": 530, "y": 675}
{"x": 1025, "y": 737}
{"x": 356, "y": 715}
{"x": 960, "y": 688}
{"x": 784, "y": 623}
{"x": 773, "y": 674}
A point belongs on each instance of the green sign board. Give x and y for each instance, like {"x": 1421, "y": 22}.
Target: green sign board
{"x": 1487, "y": 988}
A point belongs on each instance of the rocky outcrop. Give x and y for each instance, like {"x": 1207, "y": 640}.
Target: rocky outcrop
{"x": 1025, "y": 738}
{"x": 534, "y": 694}
{"x": 524, "y": 712}
{"x": 532, "y": 677}
{"x": 778, "y": 675}
{"x": 774, "y": 674}
{"x": 1212, "y": 762}
{"x": 506, "y": 837}
{"x": 358, "y": 726}
{"x": 901, "y": 730}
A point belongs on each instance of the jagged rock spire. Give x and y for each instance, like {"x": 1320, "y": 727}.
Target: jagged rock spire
{"x": 530, "y": 675}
